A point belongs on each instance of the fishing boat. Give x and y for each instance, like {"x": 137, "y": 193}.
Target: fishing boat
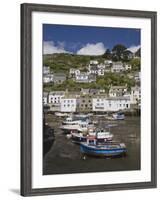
{"x": 92, "y": 148}
{"x": 102, "y": 135}
{"x": 75, "y": 125}
{"x": 59, "y": 114}
{"x": 118, "y": 116}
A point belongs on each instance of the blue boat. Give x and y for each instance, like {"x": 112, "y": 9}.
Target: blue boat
{"x": 102, "y": 150}
{"x": 118, "y": 116}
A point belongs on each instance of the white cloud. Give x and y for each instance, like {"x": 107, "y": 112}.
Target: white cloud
{"x": 49, "y": 47}
{"x": 134, "y": 48}
{"x": 92, "y": 49}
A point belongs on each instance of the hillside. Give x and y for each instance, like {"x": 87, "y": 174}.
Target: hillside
{"x": 63, "y": 62}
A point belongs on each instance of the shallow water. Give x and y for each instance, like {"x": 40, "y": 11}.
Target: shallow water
{"x": 65, "y": 156}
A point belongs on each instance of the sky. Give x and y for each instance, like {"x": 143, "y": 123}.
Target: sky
{"x": 87, "y": 40}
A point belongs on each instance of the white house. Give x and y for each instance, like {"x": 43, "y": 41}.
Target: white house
{"x": 93, "y": 62}
{"x": 46, "y": 70}
{"x": 110, "y": 104}
{"x": 68, "y": 104}
{"x": 108, "y": 62}
{"x": 127, "y": 66}
{"x": 116, "y": 91}
{"x": 55, "y": 97}
{"x": 74, "y": 71}
{"x": 117, "y": 103}
{"x": 84, "y": 77}
{"x": 117, "y": 67}
{"x": 135, "y": 97}
{"x": 48, "y": 78}
{"x": 99, "y": 104}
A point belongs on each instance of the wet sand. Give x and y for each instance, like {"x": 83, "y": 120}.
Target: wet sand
{"x": 65, "y": 157}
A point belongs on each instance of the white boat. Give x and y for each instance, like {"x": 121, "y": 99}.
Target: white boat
{"x": 59, "y": 114}
{"x": 70, "y": 121}
{"x": 78, "y": 125}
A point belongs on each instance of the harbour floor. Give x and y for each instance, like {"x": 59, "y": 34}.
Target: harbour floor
{"x": 65, "y": 157}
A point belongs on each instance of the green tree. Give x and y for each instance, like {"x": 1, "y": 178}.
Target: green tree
{"x": 118, "y": 52}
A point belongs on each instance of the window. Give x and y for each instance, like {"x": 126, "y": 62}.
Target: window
{"x": 68, "y": 105}
{"x": 109, "y": 105}
{"x": 64, "y": 105}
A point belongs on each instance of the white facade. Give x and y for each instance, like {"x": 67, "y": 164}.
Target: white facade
{"x": 74, "y": 71}
{"x": 48, "y": 78}
{"x": 55, "y": 97}
{"x": 82, "y": 77}
{"x": 116, "y": 91}
{"x": 99, "y": 104}
{"x": 135, "y": 96}
{"x": 101, "y": 72}
{"x": 95, "y": 62}
{"x": 116, "y": 104}
{"x": 111, "y": 104}
{"x": 117, "y": 67}
{"x": 46, "y": 70}
{"x": 68, "y": 104}
{"x": 108, "y": 62}
{"x": 128, "y": 67}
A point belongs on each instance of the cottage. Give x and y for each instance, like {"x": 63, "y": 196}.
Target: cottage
{"x": 59, "y": 78}
{"x": 108, "y": 62}
{"x": 54, "y": 100}
{"x": 73, "y": 72}
{"x": 68, "y": 104}
{"x": 116, "y": 91}
{"x": 117, "y": 67}
{"x": 82, "y": 77}
{"x": 135, "y": 96}
{"x": 127, "y": 66}
{"x": 99, "y": 103}
{"x": 84, "y": 91}
{"x": 96, "y": 91}
{"x": 117, "y": 103}
{"x": 46, "y": 70}
{"x": 112, "y": 104}
{"x": 93, "y": 62}
{"x": 84, "y": 103}
{"x": 48, "y": 78}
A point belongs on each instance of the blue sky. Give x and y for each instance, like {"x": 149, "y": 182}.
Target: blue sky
{"x": 87, "y": 40}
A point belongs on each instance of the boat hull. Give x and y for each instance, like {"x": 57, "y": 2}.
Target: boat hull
{"x": 102, "y": 152}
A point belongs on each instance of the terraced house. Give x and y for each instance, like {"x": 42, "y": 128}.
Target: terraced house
{"x": 84, "y": 103}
